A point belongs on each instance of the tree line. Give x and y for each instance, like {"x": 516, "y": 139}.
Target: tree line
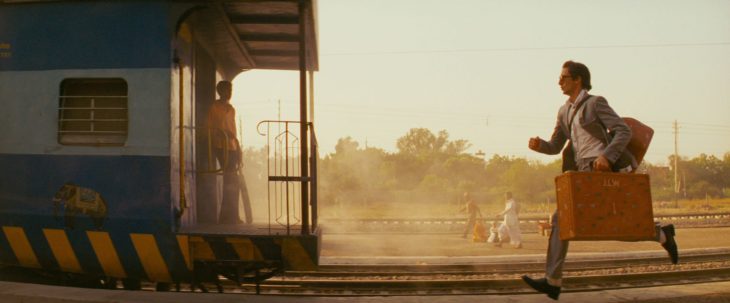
{"x": 428, "y": 164}
{"x": 431, "y": 168}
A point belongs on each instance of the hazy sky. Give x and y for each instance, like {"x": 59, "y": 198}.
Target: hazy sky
{"x": 487, "y": 71}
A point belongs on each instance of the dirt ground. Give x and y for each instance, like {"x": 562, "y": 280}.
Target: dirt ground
{"x": 371, "y": 245}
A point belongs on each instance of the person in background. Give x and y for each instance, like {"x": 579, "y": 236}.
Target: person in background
{"x": 472, "y": 212}
{"x": 227, "y": 151}
{"x": 510, "y": 226}
{"x": 480, "y": 232}
{"x": 494, "y": 235}
{"x": 585, "y": 119}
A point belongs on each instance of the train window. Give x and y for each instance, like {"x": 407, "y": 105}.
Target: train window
{"x": 93, "y": 112}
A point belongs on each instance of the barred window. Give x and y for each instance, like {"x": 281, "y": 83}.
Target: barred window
{"x": 93, "y": 112}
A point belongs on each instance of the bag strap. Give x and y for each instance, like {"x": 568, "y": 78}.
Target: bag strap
{"x": 575, "y": 112}
{"x": 568, "y": 153}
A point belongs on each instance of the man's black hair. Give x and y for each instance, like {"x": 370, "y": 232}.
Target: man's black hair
{"x": 577, "y": 69}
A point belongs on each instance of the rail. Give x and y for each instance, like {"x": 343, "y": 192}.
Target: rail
{"x": 523, "y": 219}
{"x": 591, "y": 275}
{"x": 528, "y": 223}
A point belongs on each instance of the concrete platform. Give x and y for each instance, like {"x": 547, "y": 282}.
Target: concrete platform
{"x": 32, "y": 293}
{"x": 524, "y": 258}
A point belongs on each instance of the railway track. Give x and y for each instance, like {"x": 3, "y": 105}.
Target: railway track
{"x": 524, "y": 219}
{"x": 497, "y": 278}
{"x": 484, "y": 278}
{"x": 528, "y": 223}
{"x": 717, "y": 255}
{"x": 500, "y": 286}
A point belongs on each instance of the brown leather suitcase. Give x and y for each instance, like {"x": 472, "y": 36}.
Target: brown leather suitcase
{"x": 604, "y": 206}
{"x": 640, "y": 138}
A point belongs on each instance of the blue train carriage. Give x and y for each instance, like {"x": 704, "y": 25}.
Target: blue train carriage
{"x": 97, "y": 175}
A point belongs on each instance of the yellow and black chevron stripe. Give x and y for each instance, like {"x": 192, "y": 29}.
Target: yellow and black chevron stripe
{"x": 72, "y": 255}
{"x": 295, "y": 252}
{"x": 159, "y": 258}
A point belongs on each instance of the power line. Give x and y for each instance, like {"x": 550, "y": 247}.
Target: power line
{"x": 483, "y": 50}
{"x": 709, "y": 125}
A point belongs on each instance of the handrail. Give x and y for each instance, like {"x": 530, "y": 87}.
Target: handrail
{"x": 272, "y": 121}
{"x": 285, "y": 180}
{"x": 313, "y": 157}
{"x": 181, "y": 139}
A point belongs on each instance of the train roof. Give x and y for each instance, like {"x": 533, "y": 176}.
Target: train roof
{"x": 252, "y": 34}
{"x": 261, "y": 34}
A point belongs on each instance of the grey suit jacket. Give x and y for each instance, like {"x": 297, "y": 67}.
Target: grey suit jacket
{"x": 597, "y": 118}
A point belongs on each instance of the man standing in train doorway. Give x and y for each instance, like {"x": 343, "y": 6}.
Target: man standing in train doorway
{"x": 584, "y": 120}
{"x": 227, "y": 151}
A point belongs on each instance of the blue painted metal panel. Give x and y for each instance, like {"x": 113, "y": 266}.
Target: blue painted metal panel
{"x": 136, "y": 190}
{"x": 6, "y": 253}
{"x": 85, "y": 34}
{"x": 134, "y": 187}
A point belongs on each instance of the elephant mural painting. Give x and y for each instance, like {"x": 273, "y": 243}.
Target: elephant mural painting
{"x": 79, "y": 200}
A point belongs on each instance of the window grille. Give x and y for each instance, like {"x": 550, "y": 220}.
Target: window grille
{"x": 93, "y": 112}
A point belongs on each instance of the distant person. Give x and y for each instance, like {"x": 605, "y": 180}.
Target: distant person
{"x": 227, "y": 151}
{"x": 494, "y": 234}
{"x": 510, "y": 227}
{"x": 480, "y": 232}
{"x": 584, "y": 120}
{"x": 472, "y": 212}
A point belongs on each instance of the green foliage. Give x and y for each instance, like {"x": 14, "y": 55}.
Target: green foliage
{"x": 421, "y": 142}
{"x": 697, "y": 178}
{"x": 430, "y": 171}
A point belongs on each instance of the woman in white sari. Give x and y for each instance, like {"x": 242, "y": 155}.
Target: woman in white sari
{"x": 510, "y": 227}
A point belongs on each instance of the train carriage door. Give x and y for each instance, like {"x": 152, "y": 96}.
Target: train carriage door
{"x": 196, "y": 74}
{"x": 182, "y": 151}
{"x": 207, "y": 179}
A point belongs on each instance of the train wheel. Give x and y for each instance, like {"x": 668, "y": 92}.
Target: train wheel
{"x": 132, "y": 284}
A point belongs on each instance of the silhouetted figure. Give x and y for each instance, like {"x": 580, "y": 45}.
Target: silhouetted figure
{"x": 472, "y": 212}
{"x": 227, "y": 151}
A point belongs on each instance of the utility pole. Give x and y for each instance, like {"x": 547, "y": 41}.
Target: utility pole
{"x": 278, "y": 117}
{"x": 676, "y": 155}
{"x": 676, "y": 168}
